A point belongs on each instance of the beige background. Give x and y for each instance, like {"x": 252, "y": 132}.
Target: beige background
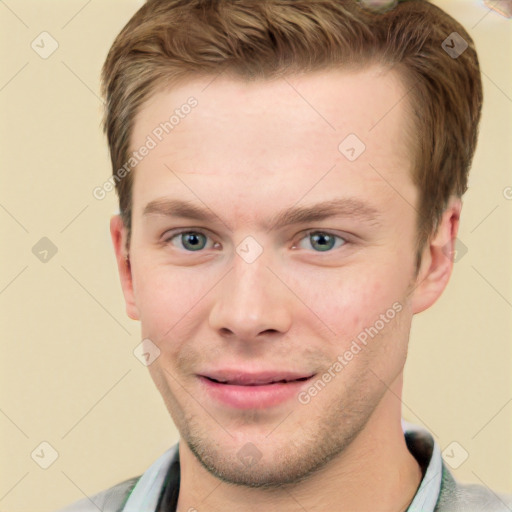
{"x": 68, "y": 374}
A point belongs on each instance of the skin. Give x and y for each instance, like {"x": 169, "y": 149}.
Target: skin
{"x": 247, "y": 151}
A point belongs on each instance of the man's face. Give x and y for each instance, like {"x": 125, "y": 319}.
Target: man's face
{"x": 215, "y": 306}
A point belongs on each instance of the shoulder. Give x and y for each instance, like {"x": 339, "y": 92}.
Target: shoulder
{"x": 136, "y": 489}
{"x": 109, "y": 500}
{"x": 458, "y": 497}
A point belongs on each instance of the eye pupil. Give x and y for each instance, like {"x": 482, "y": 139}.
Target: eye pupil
{"x": 193, "y": 240}
{"x": 322, "y": 238}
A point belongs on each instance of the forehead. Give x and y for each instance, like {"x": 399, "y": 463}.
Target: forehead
{"x": 250, "y": 137}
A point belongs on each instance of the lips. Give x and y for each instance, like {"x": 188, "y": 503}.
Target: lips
{"x": 237, "y": 378}
{"x": 237, "y": 389}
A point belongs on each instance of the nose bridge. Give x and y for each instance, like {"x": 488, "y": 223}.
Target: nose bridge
{"x": 250, "y": 282}
{"x": 251, "y": 300}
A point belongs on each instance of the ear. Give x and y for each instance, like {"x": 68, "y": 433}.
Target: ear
{"x": 118, "y": 233}
{"x": 437, "y": 259}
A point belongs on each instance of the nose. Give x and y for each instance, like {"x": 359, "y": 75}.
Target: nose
{"x": 251, "y": 302}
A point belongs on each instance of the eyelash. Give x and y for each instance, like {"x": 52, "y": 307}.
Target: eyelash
{"x": 308, "y": 233}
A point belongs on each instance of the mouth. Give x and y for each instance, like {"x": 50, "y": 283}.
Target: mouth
{"x": 262, "y": 378}
{"x": 251, "y": 382}
{"x": 263, "y": 390}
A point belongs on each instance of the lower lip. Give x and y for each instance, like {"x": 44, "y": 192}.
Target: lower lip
{"x": 253, "y": 397}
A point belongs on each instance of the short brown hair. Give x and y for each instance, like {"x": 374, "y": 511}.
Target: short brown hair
{"x": 168, "y": 41}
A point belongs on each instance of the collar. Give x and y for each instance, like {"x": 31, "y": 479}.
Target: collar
{"x": 146, "y": 493}
{"x": 428, "y": 454}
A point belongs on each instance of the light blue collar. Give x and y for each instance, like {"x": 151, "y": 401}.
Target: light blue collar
{"x": 146, "y": 493}
{"x": 427, "y": 495}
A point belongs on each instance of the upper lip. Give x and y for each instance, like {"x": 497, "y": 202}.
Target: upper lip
{"x": 237, "y": 377}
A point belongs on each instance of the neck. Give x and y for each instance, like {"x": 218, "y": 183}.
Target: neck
{"x": 375, "y": 472}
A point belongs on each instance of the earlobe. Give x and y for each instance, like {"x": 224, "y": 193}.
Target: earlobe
{"x": 118, "y": 234}
{"x": 437, "y": 259}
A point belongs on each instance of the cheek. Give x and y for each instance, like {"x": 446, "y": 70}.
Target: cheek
{"x": 371, "y": 326}
{"x": 166, "y": 298}
{"x": 349, "y": 302}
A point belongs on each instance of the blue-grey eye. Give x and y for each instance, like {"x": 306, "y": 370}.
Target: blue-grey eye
{"x": 322, "y": 241}
{"x": 191, "y": 240}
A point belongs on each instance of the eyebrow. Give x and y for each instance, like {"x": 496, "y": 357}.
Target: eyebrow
{"x": 342, "y": 207}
